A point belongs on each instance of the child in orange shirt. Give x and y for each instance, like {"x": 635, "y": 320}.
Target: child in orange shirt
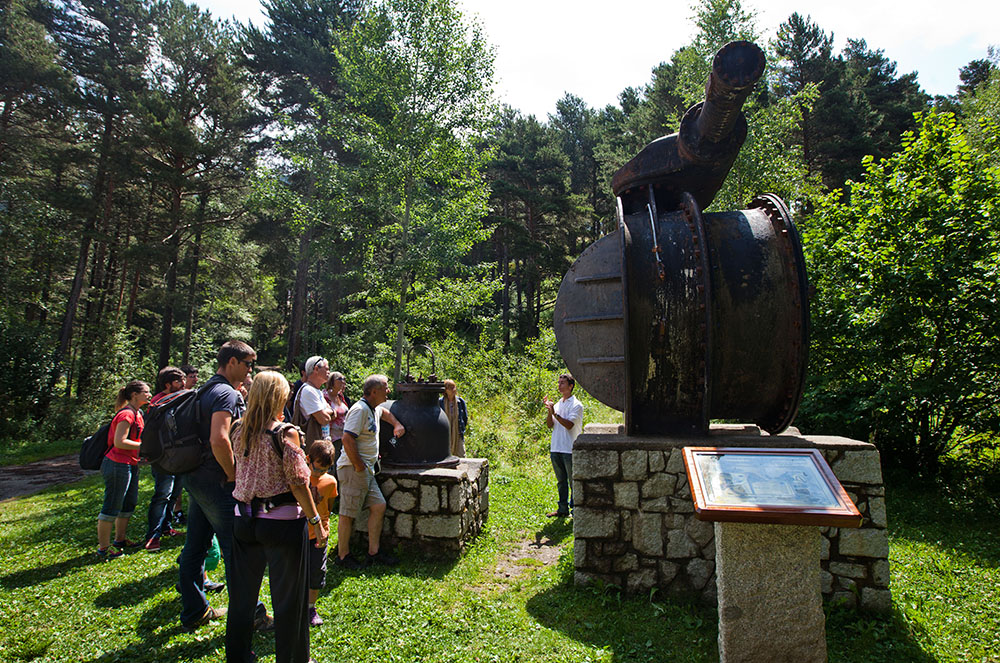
{"x": 324, "y": 489}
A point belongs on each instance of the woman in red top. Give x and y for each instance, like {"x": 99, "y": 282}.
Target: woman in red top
{"x": 120, "y": 468}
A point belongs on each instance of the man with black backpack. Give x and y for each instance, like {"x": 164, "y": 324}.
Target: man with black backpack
{"x": 166, "y": 488}
{"x": 210, "y": 486}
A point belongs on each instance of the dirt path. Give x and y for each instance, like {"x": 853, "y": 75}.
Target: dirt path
{"x": 20, "y": 480}
{"x": 543, "y": 551}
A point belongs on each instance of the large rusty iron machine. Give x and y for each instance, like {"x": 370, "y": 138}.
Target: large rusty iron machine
{"x": 679, "y": 316}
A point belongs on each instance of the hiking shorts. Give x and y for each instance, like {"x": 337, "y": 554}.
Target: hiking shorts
{"x": 121, "y": 489}
{"x": 357, "y": 490}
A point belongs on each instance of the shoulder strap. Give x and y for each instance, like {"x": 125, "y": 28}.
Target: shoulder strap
{"x": 369, "y": 405}
{"x": 110, "y": 438}
{"x": 278, "y": 437}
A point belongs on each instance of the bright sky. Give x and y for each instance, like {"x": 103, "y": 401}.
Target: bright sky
{"x": 545, "y": 48}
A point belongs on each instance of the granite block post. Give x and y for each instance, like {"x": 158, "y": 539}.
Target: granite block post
{"x": 770, "y": 606}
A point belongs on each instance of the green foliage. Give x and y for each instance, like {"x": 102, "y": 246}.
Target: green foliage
{"x": 24, "y": 368}
{"x": 770, "y": 161}
{"x": 905, "y": 316}
{"x": 862, "y": 107}
{"x": 417, "y": 78}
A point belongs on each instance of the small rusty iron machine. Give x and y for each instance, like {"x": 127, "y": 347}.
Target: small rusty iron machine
{"x": 679, "y": 316}
{"x": 426, "y": 443}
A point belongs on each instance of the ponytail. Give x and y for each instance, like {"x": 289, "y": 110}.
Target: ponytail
{"x": 125, "y": 393}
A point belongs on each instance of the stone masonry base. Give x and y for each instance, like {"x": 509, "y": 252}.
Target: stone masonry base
{"x": 634, "y": 523}
{"x": 435, "y": 510}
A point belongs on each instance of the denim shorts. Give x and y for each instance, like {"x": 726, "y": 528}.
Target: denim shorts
{"x": 121, "y": 489}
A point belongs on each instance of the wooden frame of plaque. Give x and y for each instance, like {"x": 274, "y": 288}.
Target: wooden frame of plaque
{"x": 778, "y": 486}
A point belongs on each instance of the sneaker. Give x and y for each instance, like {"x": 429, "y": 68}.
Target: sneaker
{"x": 262, "y": 622}
{"x": 126, "y": 543}
{"x": 216, "y": 587}
{"x": 211, "y": 614}
{"x": 314, "y": 618}
{"x": 173, "y": 532}
{"x": 349, "y": 563}
{"x": 108, "y": 553}
{"x": 153, "y": 545}
{"x": 384, "y": 558}
{"x": 557, "y": 514}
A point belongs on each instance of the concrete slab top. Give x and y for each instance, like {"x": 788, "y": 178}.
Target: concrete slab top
{"x": 612, "y": 437}
{"x": 466, "y": 468}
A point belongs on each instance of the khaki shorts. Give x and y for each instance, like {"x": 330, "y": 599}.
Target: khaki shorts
{"x": 357, "y": 491}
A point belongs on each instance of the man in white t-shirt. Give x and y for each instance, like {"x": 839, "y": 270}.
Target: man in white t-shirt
{"x": 565, "y": 418}
{"x": 312, "y": 413}
{"x": 356, "y": 473}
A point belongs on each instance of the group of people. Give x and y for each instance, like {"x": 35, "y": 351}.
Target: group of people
{"x": 264, "y": 490}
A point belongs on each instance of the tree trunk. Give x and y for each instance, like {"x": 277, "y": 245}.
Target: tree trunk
{"x": 299, "y": 299}
{"x": 134, "y": 292}
{"x": 167, "y": 329}
{"x": 124, "y": 281}
{"x": 505, "y": 298}
{"x": 404, "y": 286}
{"x": 82, "y": 259}
{"x": 193, "y": 282}
{"x": 132, "y": 295}
{"x": 8, "y": 112}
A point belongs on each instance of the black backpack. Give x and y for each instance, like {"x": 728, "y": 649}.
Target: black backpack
{"x": 171, "y": 439}
{"x": 95, "y": 448}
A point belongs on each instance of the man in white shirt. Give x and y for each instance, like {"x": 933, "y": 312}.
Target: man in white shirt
{"x": 565, "y": 418}
{"x": 356, "y": 473}
{"x": 312, "y": 413}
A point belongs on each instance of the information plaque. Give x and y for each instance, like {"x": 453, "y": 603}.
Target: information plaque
{"x": 780, "y": 486}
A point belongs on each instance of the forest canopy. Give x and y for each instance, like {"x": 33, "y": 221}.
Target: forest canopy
{"x": 342, "y": 181}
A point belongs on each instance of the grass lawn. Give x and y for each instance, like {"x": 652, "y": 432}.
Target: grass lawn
{"x": 57, "y": 603}
{"x": 27, "y": 450}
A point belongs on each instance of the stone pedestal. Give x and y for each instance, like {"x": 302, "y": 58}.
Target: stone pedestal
{"x": 434, "y": 510}
{"x": 770, "y": 606}
{"x": 635, "y": 528}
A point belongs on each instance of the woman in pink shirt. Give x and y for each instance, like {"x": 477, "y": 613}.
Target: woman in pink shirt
{"x": 340, "y": 404}
{"x": 273, "y": 503}
{"x": 120, "y": 468}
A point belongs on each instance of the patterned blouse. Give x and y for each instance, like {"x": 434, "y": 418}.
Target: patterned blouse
{"x": 262, "y": 473}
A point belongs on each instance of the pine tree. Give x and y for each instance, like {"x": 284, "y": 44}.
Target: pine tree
{"x": 105, "y": 44}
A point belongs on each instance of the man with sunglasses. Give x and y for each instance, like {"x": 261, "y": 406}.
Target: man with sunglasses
{"x": 210, "y": 487}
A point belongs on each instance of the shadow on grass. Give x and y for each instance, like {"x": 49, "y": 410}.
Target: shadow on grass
{"x": 554, "y": 532}
{"x": 633, "y": 629}
{"x": 161, "y": 638}
{"x": 940, "y": 515}
{"x": 43, "y": 574}
{"x": 419, "y": 566}
{"x": 73, "y": 516}
{"x": 679, "y": 629}
{"x": 854, "y": 636}
{"x": 138, "y": 590}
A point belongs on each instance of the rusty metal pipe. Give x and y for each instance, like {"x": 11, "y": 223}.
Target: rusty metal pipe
{"x": 736, "y": 69}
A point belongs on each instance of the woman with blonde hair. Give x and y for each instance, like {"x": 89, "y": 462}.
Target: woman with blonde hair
{"x": 273, "y": 505}
{"x": 120, "y": 468}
